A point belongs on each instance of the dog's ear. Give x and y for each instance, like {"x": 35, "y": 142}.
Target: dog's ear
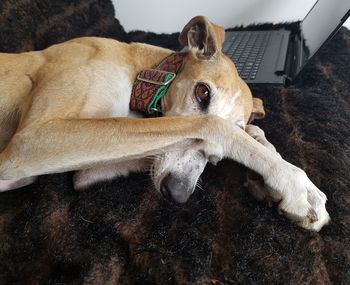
{"x": 258, "y": 111}
{"x": 203, "y": 35}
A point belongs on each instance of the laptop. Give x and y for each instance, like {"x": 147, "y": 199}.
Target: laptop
{"x": 278, "y": 56}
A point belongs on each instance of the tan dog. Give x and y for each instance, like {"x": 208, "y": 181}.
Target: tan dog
{"x": 61, "y": 109}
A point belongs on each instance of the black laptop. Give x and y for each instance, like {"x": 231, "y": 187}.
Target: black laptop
{"x": 278, "y": 56}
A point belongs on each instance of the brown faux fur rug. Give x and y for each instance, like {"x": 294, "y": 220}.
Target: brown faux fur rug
{"x": 123, "y": 232}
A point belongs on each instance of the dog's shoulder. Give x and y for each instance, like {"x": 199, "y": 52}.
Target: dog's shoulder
{"x": 94, "y": 41}
{"x": 84, "y": 48}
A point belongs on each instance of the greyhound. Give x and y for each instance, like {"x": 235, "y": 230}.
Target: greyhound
{"x": 76, "y": 106}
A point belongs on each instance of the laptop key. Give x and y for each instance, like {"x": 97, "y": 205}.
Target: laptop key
{"x": 247, "y": 49}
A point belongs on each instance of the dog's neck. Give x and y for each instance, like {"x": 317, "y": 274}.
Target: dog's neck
{"x": 145, "y": 56}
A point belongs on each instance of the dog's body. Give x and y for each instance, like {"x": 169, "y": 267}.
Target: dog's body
{"x": 61, "y": 109}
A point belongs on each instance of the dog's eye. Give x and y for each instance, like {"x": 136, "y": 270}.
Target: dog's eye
{"x": 202, "y": 93}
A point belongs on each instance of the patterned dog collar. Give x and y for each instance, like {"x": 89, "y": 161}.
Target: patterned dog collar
{"x": 152, "y": 84}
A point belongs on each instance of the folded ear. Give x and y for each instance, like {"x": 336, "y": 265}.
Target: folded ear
{"x": 203, "y": 35}
{"x": 258, "y": 111}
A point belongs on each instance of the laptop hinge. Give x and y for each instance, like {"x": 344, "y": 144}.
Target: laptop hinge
{"x": 280, "y": 68}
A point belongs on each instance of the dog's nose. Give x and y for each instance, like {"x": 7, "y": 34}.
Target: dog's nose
{"x": 175, "y": 189}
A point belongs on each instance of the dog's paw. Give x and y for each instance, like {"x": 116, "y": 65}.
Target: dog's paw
{"x": 82, "y": 180}
{"x": 259, "y": 135}
{"x": 301, "y": 200}
{"x": 6, "y": 185}
{"x": 257, "y": 188}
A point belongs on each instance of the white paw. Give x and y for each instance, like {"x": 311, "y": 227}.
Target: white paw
{"x": 256, "y": 186}
{"x": 259, "y": 135}
{"x": 82, "y": 180}
{"x": 254, "y": 131}
{"x": 301, "y": 201}
{"x": 85, "y": 178}
{"x": 6, "y": 185}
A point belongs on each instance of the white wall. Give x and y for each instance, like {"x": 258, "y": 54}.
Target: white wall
{"x": 162, "y": 16}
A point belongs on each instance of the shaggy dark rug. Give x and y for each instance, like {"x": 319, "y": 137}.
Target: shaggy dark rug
{"x": 123, "y": 232}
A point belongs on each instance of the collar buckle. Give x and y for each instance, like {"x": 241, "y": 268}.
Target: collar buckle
{"x": 152, "y": 84}
{"x": 147, "y": 76}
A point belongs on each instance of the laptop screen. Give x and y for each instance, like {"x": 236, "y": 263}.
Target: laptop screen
{"x": 320, "y": 23}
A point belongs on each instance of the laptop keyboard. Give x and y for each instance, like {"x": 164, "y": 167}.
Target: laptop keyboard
{"x": 247, "y": 49}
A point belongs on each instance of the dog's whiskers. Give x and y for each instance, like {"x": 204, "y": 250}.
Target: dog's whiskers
{"x": 154, "y": 157}
{"x": 199, "y": 185}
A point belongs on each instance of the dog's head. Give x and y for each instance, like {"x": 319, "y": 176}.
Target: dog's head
{"x": 207, "y": 84}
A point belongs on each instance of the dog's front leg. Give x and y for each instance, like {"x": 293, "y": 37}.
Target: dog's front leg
{"x": 255, "y": 183}
{"x": 299, "y": 199}
{"x": 90, "y": 142}
{"x": 260, "y": 191}
{"x": 87, "y": 177}
{"x": 61, "y": 145}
